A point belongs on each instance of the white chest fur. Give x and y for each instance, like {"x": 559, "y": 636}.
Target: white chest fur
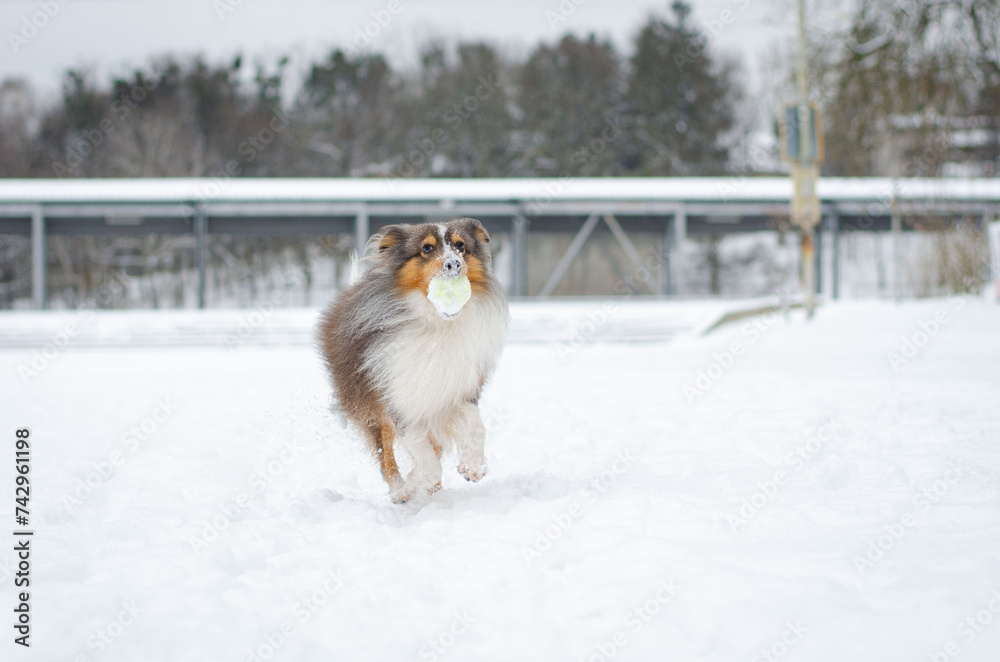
{"x": 431, "y": 365}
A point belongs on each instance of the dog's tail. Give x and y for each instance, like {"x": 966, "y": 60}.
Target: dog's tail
{"x": 361, "y": 264}
{"x": 357, "y": 271}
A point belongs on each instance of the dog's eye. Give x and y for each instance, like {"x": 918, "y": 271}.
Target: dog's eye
{"x": 427, "y": 248}
{"x": 459, "y": 246}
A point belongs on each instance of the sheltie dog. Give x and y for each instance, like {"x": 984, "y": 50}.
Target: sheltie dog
{"x": 404, "y": 374}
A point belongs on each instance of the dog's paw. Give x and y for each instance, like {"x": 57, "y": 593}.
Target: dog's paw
{"x": 400, "y": 492}
{"x": 407, "y": 493}
{"x": 472, "y": 471}
{"x": 400, "y": 496}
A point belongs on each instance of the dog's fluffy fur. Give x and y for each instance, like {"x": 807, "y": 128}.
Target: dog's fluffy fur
{"x": 402, "y": 373}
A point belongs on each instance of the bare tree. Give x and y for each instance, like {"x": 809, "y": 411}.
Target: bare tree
{"x": 19, "y": 128}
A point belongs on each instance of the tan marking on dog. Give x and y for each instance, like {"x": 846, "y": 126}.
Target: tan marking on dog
{"x": 390, "y": 470}
{"x": 476, "y": 273}
{"x": 417, "y": 273}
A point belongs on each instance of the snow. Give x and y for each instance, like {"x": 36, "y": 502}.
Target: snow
{"x": 571, "y": 321}
{"x": 620, "y": 189}
{"x": 240, "y": 518}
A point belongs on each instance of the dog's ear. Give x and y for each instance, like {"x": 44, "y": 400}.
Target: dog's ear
{"x": 477, "y": 230}
{"x": 387, "y": 237}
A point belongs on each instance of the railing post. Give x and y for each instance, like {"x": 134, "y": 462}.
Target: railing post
{"x": 200, "y": 238}
{"x": 38, "y": 285}
{"x": 519, "y": 256}
{"x": 818, "y": 249}
{"x": 665, "y": 260}
{"x": 835, "y": 231}
{"x": 896, "y": 228}
{"x": 677, "y": 250}
{"x": 361, "y": 230}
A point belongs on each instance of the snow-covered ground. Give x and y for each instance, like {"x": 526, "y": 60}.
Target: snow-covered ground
{"x": 777, "y": 489}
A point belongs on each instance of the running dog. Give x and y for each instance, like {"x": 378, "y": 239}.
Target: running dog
{"x": 409, "y": 372}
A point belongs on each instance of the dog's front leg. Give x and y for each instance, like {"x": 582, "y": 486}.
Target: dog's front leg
{"x": 426, "y": 473}
{"x": 470, "y": 438}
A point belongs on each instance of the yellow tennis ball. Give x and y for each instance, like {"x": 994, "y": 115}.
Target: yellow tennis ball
{"x": 449, "y": 294}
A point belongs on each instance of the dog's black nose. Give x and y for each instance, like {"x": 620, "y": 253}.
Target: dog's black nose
{"x": 452, "y": 266}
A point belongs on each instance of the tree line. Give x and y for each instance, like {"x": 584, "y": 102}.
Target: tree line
{"x": 911, "y": 75}
{"x": 574, "y": 107}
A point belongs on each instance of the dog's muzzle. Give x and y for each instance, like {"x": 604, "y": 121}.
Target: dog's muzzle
{"x": 452, "y": 267}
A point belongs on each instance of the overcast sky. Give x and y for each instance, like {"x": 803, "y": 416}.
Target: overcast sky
{"x": 115, "y": 35}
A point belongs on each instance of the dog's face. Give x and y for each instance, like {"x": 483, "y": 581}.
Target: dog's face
{"x": 418, "y": 253}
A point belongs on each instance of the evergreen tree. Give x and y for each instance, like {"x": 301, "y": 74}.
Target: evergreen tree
{"x": 465, "y": 108}
{"x": 67, "y": 134}
{"x": 681, "y": 100}
{"x": 346, "y": 122}
{"x": 571, "y": 100}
